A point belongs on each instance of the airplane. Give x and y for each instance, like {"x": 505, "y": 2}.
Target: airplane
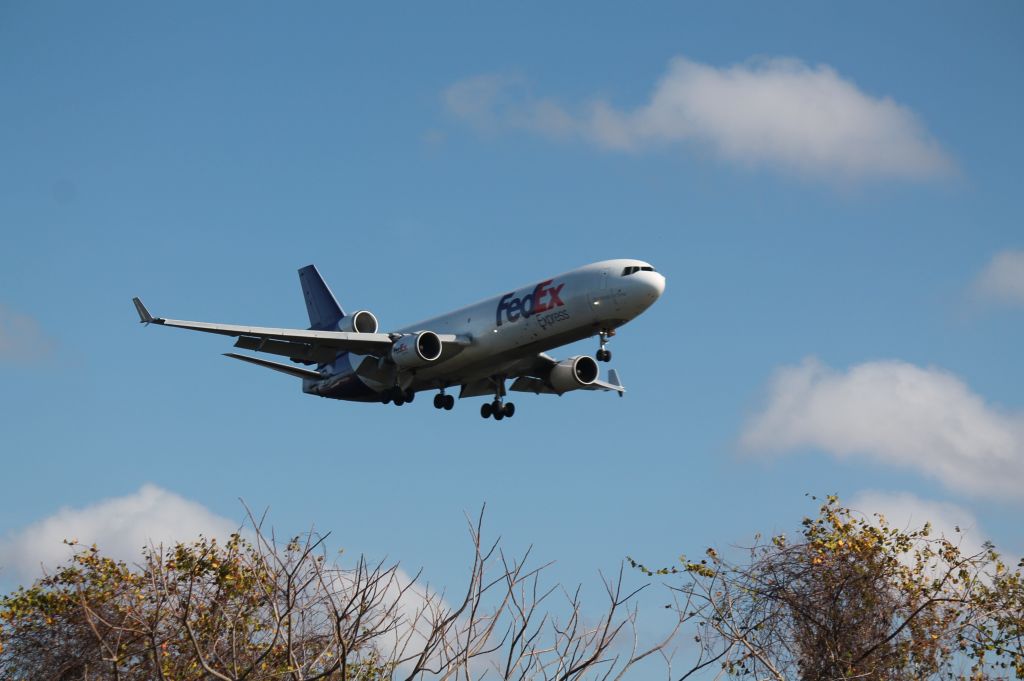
{"x": 476, "y": 348}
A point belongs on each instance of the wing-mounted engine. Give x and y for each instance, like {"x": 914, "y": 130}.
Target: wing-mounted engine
{"x": 360, "y": 322}
{"x": 414, "y": 350}
{"x": 573, "y": 373}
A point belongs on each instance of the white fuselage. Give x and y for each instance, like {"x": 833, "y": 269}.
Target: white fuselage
{"x": 517, "y": 325}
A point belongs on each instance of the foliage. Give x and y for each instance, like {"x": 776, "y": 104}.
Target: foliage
{"x": 196, "y": 611}
{"x": 254, "y": 609}
{"x": 850, "y": 598}
{"x": 853, "y": 598}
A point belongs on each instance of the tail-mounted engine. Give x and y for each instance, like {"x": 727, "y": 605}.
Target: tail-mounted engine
{"x": 573, "y": 373}
{"x": 414, "y": 350}
{"x": 360, "y": 322}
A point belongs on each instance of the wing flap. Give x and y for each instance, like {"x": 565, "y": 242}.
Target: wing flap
{"x": 480, "y": 387}
{"x": 299, "y": 352}
{"x": 529, "y": 384}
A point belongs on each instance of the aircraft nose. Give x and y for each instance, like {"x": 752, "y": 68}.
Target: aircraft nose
{"x": 653, "y": 283}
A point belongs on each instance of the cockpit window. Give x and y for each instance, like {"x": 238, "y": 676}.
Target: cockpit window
{"x": 633, "y": 269}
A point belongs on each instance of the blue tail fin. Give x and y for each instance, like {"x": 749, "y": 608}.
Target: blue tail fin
{"x": 323, "y": 308}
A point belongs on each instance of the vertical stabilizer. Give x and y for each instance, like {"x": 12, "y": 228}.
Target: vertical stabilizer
{"x": 323, "y": 308}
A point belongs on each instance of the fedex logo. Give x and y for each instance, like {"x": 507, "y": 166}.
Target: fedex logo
{"x": 543, "y": 298}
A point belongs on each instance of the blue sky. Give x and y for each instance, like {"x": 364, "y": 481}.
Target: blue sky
{"x": 843, "y": 310}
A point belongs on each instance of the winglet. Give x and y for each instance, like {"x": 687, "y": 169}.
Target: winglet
{"x": 144, "y": 316}
{"x": 613, "y": 378}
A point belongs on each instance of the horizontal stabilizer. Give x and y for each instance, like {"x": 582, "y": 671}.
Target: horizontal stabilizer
{"x": 277, "y": 366}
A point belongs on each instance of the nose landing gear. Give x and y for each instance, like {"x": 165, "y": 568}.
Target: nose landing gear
{"x": 603, "y": 353}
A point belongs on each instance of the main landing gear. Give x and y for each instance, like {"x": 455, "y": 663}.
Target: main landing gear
{"x": 603, "y": 353}
{"x": 442, "y": 401}
{"x": 399, "y": 397}
{"x": 497, "y": 409}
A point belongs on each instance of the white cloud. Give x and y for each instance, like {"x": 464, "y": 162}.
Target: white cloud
{"x": 895, "y": 413}
{"x": 22, "y": 340}
{"x": 493, "y": 102}
{"x": 120, "y": 526}
{"x": 775, "y": 112}
{"x": 474, "y": 99}
{"x": 1003, "y": 278}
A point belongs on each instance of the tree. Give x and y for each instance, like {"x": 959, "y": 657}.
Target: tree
{"x": 255, "y": 608}
{"x": 850, "y": 598}
{"x": 853, "y": 598}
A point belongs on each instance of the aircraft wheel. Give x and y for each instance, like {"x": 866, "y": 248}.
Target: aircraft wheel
{"x": 439, "y": 401}
{"x": 399, "y": 401}
{"x": 449, "y": 402}
{"x": 509, "y": 410}
{"x": 410, "y": 396}
{"x": 499, "y": 415}
{"x": 485, "y": 410}
{"x": 604, "y": 355}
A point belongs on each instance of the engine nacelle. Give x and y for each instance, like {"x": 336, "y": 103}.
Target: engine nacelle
{"x": 416, "y": 349}
{"x": 573, "y": 373}
{"x": 360, "y": 322}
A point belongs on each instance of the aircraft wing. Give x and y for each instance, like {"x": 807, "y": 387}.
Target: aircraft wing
{"x": 529, "y": 381}
{"x": 613, "y": 383}
{"x": 301, "y": 345}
